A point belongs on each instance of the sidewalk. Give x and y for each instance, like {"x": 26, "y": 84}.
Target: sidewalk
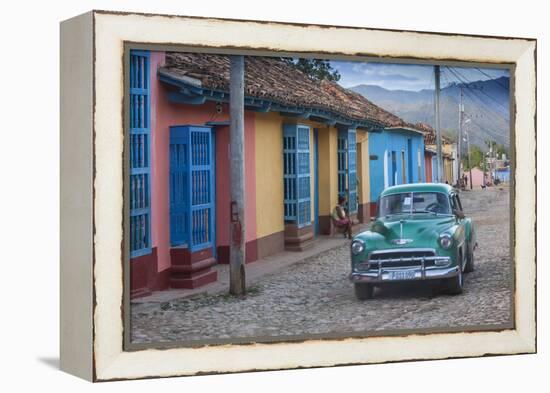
{"x": 254, "y": 271}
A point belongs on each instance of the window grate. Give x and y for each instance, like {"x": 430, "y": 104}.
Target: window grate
{"x": 296, "y": 174}
{"x": 347, "y": 167}
{"x": 192, "y": 187}
{"x": 139, "y": 154}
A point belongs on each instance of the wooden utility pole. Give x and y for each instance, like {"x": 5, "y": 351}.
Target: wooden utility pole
{"x": 469, "y": 162}
{"x": 460, "y": 119}
{"x": 438, "y": 126}
{"x": 491, "y": 161}
{"x": 237, "y": 282}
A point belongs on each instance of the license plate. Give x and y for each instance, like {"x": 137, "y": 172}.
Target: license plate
{"x": 401, "y": 275}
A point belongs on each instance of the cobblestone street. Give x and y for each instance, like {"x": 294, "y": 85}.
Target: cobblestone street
{"x": 315, "y": 296}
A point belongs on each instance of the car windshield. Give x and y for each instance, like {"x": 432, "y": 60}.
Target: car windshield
{"x": 414, "y": 202}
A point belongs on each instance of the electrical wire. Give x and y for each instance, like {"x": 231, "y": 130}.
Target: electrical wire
{"x": 507, "y": 88}
{"x": 490, "y": 131}
{"x": 495, "y": 116}
{"x": 489, "y": 111}
{"x": 467, "y": 82}
{"x": 468, "y": 94}
{"x": 472, "y": 94}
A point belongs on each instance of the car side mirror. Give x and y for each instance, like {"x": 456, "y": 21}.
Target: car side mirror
{"x": 458, "y": 213}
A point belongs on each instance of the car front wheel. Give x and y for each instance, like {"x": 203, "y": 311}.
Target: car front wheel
{"x": 455, "y": 284}
{"x": 469, "y": 259}
{"x": 363, "y": 291}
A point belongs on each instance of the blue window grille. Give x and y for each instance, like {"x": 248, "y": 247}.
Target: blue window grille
{"x": 347, "y": 167}
{"x": 410, "y": 175}
{"x": 393, "y": 168}
{"x": 342, "y": 150}
{"x": 296, "y": 174}
{"x": 192, "y": 194}
{"x": 352, "y": 171}
{"x": 179, "y": 173}
{"x": 139, "y": 146}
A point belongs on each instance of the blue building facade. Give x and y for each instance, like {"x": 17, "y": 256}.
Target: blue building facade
{"x": 396, "y": 156}
{"x": 502, "y": 174}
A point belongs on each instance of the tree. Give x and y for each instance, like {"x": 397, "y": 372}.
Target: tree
{"x": 501, "y": 149}
{"x": 315, "y": 69}
{"x": 476, "y": 158}
{"x": 498, "y": 150}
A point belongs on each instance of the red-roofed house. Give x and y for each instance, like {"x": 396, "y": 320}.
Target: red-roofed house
{"x": 306, "y": 142}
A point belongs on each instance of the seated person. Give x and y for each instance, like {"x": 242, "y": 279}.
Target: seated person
{"x": 340, "y": 218}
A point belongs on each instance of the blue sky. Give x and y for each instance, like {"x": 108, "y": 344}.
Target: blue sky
{"x": 404, "y": 76}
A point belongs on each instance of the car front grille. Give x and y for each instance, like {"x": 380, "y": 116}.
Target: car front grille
{"x": 403, "y": 258}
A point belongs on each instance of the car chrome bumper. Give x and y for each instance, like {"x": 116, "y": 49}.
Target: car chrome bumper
{"x": 383, "y": 275}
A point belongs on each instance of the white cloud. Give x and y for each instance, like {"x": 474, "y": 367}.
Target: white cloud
{"x": 399, "y": 76}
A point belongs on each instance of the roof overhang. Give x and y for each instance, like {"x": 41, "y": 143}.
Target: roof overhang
{"x": 190, "y": 91}
{"x": 430, "y": 151}
{"x": 406, "y": 129}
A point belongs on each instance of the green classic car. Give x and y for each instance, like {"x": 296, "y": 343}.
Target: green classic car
{"x": 420, "y": 233}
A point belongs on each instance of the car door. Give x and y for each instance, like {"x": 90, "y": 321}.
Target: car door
{"x": 462, "y": 238}
{"x": 459, "y": 204}
{"x": 455, "y": 203}
{"x": 467, "y": 222}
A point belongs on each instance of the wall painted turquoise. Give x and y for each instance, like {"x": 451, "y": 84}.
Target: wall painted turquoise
{"x": 396, "y": 156}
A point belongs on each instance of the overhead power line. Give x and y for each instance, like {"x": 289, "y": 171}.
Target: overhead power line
{"x": 475, "y": 98}
{"x": 488, "y": 110}
{"x": 493, "y": 133}
{"x": 467, "y": 82}
{"x": 507, "y": 88}
{"x": 473, "y": 93}
{"x": 469, "y": 93}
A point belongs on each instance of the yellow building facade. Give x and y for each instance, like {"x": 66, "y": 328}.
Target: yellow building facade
{"x": 272, "y": 230}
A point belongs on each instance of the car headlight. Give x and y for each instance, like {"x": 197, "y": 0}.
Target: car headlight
{"x": 357, "y": 247}
{"x": 445, "y": 240}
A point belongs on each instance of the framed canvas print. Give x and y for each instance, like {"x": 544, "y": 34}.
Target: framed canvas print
{"x": 244, "y": 195}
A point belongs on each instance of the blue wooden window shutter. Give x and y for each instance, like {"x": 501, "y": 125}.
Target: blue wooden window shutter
{"x": 201, "y": 190}
{"x": 347, "y": 167}
{"x": 140, "y": 165}
{"x": 179, "y": 186}
{"x": 192, "y": 187}
{"x": 342, "y": 151}
{"x": 296, "y": 174}
{"x": 352, "y": 171}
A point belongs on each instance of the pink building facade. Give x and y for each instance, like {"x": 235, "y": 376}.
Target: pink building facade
{"x": 172, "y": 267}
{"x": 478, "y": 177}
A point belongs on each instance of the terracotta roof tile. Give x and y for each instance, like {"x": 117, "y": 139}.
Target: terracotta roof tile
{"x": 429, "y": 134}
{"x": 274, "y": 79}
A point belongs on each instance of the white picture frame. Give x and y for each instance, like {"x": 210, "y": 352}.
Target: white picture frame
{"x": 92, "y": 276}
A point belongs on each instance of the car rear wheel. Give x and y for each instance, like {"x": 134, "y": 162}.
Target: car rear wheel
{"x": 363, "y": 291}
{"x": 455, "y": 285}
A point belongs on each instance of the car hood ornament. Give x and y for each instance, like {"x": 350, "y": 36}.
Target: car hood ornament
{"x": 401, "y": 241}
